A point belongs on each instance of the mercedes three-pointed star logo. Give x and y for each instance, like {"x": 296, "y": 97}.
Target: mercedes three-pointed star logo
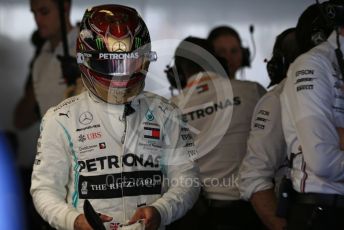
{"x": 86, "y": 118}
{"x": 120, "y": 46}
{"x": 330, "y": 11}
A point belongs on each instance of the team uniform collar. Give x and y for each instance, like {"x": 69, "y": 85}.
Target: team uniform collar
{"x": 332, "y": 39}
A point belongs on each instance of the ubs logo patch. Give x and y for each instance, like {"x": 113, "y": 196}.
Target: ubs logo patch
{"x": 82, "y": 138}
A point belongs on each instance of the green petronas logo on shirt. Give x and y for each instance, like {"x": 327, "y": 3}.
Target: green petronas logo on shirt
{"x": 99, "y": 43}
{"x": 149, "y": 116}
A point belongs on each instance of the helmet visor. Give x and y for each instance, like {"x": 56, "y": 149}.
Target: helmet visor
{"x": 115, "y": 64}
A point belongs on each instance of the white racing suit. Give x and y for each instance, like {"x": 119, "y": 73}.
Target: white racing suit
{"x": 89, "y": 150}
{"x": 312, "y": 108}
{"x": 266, "y": 158}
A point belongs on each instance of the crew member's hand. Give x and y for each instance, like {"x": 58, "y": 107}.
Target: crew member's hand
{"x": 81, "y": 223}
{"x": 150, "y": 216}
{"x": 279, "y": 224}
{"x": 70, "y": 69}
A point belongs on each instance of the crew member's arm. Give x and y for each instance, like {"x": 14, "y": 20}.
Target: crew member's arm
{"x": 51, "y": 174}
{"x": 266, "y": 152}
{"x": 265, "y": 205}
{"x": 313, "y": 110}
{"x": 26, "y": 112}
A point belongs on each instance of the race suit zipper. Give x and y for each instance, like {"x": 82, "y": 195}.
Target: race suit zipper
{"x": 125, "y": 129}
{"x": 124, "y": 119}
{"x": 127, "y": 111}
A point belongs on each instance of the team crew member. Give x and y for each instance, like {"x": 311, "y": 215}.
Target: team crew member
{"x": 266, "y": 157}
{"x": 126, "y": 151}
{"x": 52, "y": 72}
{"x": 265, "y": 161}
{"x": 226, "y": 42}
{"x": 312, "y": 108}
{"x": 220, "y": 135}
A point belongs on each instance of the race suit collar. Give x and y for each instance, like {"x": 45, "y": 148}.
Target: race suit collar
{"x": 112, "y": 108}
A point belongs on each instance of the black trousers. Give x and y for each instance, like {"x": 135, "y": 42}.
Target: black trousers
{"x": 315, "y": 217}
{"x": 237, "y": 215}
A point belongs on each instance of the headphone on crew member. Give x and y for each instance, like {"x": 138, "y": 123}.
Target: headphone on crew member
{"x": 331, "y": 16}
{"x": 227, "y": 30}
{"x": 246, "y": 57}
{"x": 333, "y": 13}
{"x": 187, "y": 55}
{"x": 175, "y": 76}
{"x": 278, "y": 65}
{"x": 312, "y": 28}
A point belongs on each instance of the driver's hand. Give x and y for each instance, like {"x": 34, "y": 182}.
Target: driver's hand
{"x": 81, "y": 223}
{"x": 150, "y": 216}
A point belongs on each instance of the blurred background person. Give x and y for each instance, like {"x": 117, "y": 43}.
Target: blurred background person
{"x": 208, "y": 103}
{"x": 27, "y": 111}
{"x": 227, "y": 43}
{"x": 312, "y": 108}
{"x": 54, "y": 69}
{"x": 266, "y": 160}
{"x": 26, "y": 114}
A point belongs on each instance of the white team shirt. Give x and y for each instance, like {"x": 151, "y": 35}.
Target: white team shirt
{"x": 48, "y": 82}
{"x": 312, "y": 107}
{"x": 266, "y": 156}
{"x": 219, "y": 164}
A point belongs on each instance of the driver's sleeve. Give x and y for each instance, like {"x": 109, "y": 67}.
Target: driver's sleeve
{"x": 50, "y": 175}
{"x": 180, "y": 170}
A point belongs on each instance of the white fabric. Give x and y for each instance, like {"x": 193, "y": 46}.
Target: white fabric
{"x": 82, "y": 137}
{"x": 219, "y": 166}
{"x": 312, "y": 107}
{"x": 266, "y": 156}
{"x": 49, "y": 85}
